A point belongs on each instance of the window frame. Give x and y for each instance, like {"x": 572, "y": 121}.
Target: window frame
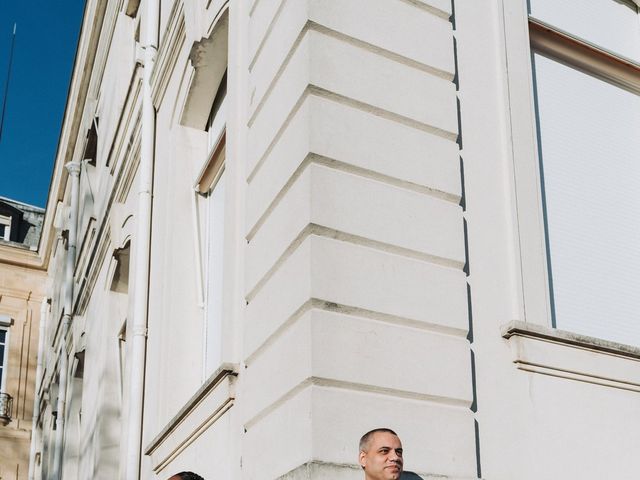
{"x": 4, "y": 359}
{"x": 535, "y": 345}
{"x": 6, "y": 222}
{"x": 213, "y": 322}
{"x": 582, "y": 55}
{"x": 530, "y": 260}
{"x": 208, "y": 69}
{"x": 207, "y": 180}
{"x": 521, "y": 36}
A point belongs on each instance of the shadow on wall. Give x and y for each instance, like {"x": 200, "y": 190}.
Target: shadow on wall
{"x": 24, "y": 229}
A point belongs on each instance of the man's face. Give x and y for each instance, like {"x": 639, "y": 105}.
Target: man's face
{"x": 383, "y": 457}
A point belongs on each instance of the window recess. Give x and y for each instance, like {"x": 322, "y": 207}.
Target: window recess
{"x": 586, "y": 84}
{"x": 210, "y": 209}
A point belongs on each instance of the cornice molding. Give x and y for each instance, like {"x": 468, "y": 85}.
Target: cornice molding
{"x": 82, "y": 72}
{"x": 23, "y": 257}
{"x": 14, "y": 293}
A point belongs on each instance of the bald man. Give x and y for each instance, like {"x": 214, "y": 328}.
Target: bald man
{"x": 186, "y": 476}
{"x": 381, "y": 455}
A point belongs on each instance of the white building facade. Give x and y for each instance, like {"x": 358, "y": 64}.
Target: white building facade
{"x": 283, "y": 223}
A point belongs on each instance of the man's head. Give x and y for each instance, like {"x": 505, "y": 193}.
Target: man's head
{"x": 381, "y": 455}
{"x": 186, "y": 476}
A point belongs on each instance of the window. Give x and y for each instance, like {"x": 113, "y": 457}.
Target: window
{"x": 5, "y": 227}
{"x": 586, "y": 79}
{"x": 211, "y": 187}
{"x": 6, "y": 402}
{"x": 216, "y": 124}
{"x": 214, "y": 274}
{"x": 91, "y": 145}
{"x": 4, "y": 354}
{"x": 205, "y": 109}
{"x": 609, "y": 25}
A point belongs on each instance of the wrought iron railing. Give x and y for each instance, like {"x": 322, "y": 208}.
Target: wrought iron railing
{"x": 6, "y": 407}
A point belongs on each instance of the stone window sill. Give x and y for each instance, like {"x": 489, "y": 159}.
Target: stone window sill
{"x": 563, "y": 354}
{"x": 203, "y": 409}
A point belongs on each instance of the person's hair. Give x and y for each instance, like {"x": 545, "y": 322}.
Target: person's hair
{"x": 188, "y": 476}
{"x": 364, "y": 440}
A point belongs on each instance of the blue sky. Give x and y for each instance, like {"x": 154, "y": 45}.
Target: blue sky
{"x": 46, "y": 40}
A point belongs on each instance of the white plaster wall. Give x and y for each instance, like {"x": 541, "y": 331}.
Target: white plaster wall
{"x": 175, "y": 350}
{"x": 355, "y": 299}
{"x": 354, "y": 267}
{"x": 209, "y": 456}
{"x": 175, "y": 355}
{"x": 175, "y": 313}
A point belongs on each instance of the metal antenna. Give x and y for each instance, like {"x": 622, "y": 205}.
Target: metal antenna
{"x": 6, "y": 85}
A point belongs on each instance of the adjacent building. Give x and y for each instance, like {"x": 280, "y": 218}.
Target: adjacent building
{"x": 20, "y": 224}
{"x": 23, "y": 290}
{"x": 277, "y": 224}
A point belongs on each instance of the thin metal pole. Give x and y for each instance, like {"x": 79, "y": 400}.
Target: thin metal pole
{"x": 6, "y": 85}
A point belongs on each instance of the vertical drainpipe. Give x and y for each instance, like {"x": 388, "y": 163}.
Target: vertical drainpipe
{"x": 142, "y": 248}
{"x": 44, "y": 314}
{"x": 74, "y": 175}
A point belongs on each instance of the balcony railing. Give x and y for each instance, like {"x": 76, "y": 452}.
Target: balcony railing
{"x": 6, "y": 407}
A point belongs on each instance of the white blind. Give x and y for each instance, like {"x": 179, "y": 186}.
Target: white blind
{"x": 590, "y": 150}
{"x": 610, "y": 24}
{"x": 215, "y": 275}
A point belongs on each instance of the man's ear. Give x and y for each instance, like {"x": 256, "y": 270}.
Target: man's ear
{"x": 362, "y": 458}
